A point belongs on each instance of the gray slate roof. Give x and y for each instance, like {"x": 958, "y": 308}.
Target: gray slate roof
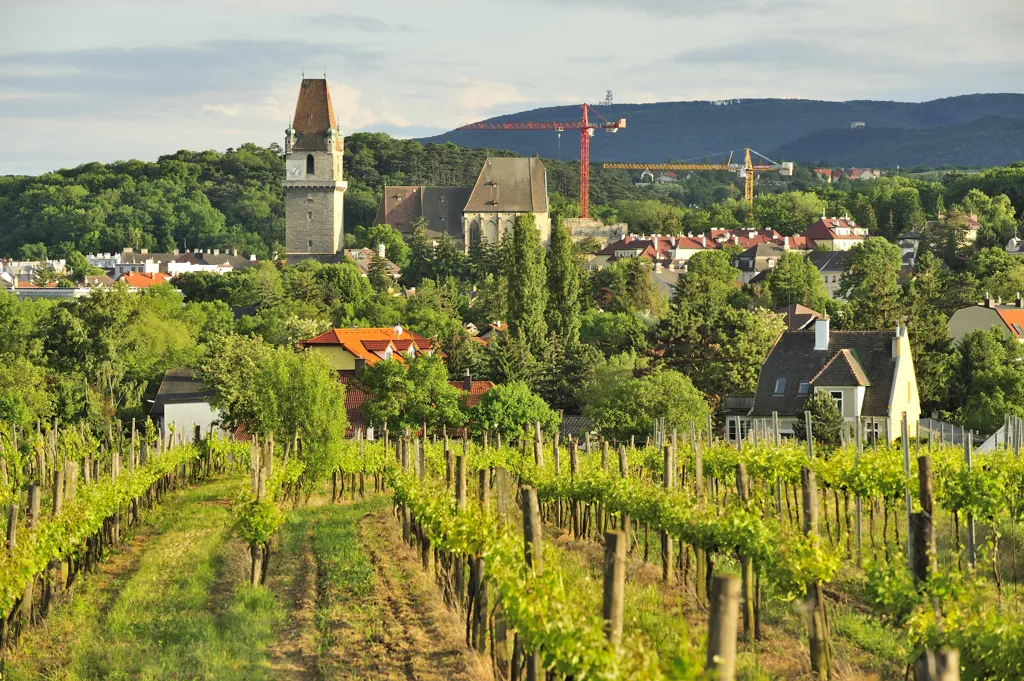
{"x": 510, "y": 185}
{"x": 829, "y": 261}
{"x": 795, "y": 359}
{"x": 180, "y": 386}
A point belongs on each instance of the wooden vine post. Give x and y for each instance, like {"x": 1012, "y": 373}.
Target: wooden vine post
{"x": 969, "y": 460}
{"x": 54, "y": 567}
{"x": 538, "y": 445}
{"x": 746, "y": 563}
{"x": 459, "y": 562}
{"x": 614, "y": 585}
{"x": 33, "y": 522}
{"x": 817, "y": 617}
{"x": 534, "y": 562}
{"x": 699, "y": 555}
{"x": 905, "y": 437}
{"x": 922, "y": 530}
{"x": 624, "y": 473}
{"x": 938, "y": 665}
{"x": 575, "y": 526}
{"x": 667, "y": 564}
{"x": 858, "y": 502}
{"x": 723, "y": 622}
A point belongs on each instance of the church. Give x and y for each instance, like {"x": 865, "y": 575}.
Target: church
{"x": 315, "y": 190}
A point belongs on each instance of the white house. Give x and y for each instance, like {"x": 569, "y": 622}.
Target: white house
{"x": 181, "y": 404}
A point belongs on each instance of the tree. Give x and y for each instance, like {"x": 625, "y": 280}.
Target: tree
{"x": 432, "y": 399}
{"x": 421, "y": 255}
{"x": 395, "y": 248}
{"x": 988, "y": 380}
{"x": 629, "y": 406}
{"x": 386, "y": 387}
{"x": 613, "y": 332}
{"x": 509, "y": 408}
{"x": 627, "y": 285}
{"x": 507, "y": 358}
{"x": 827, "y": 421}
{"x": 871, "y": 285}
{"x": 929, "y": 332}
{"x": 995, "y": 215}
{"x": 80, "y": 267}
{"x": 795, "y": 280}
{"x": 380, "y": 277}
{"x": 563, "y": 286}
{"x": 527, "y": 294}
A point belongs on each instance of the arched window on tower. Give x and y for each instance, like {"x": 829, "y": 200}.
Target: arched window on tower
{"x": 310, "y": 167}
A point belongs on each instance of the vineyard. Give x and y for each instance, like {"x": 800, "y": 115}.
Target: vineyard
{"x": 554, "y": 559}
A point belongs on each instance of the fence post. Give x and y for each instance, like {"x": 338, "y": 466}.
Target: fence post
{"x": 538, "y": 445}
{"x": 501, "y": 492}
{"x": 905, "y": 437}
{"x": 723, "y": 620}
{"x": 33, "y": 521}
{"x": 459, "y": 562}
{"x": 746, "y": 564}
{"x": 810, "y": 435}
{"x": 614, "y": 584}
{"x": 857, "y": 501}
{"x": 624, "y": 473}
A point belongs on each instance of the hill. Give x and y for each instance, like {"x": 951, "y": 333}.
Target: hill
{"x": 990, "y": 141}
{"x": 691, "y": 130}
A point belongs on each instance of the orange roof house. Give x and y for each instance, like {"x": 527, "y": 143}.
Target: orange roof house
{"x": 138, "y": 280}
{"x": 1007, "y": 319}
{"x": 350, "y": 349}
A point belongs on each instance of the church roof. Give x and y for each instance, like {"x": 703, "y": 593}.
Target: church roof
{"x": 510, "y": 185}
{"x": 314, "y": 115}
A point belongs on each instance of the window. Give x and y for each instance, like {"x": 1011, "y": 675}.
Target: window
{"x": 310, "y": 164}
{"x": 1018, "y": 329}
{"x": 309, "y": 199}
{"x": 309, "y": 215}
{"x": 805, "y": 388}
{"x": 837, "y": 395}
{"x": 738, "y": 423}
{"x": 780, "y": 386}
{"x": 444, "y": 200}
{"x": 309, "y": 244}
{"x": 444, "y": 219}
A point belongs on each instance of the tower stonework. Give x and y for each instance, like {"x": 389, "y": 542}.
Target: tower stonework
{"x": 313, "y": 186}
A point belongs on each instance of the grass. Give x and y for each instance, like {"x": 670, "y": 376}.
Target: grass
{"x": 178, "y": 609}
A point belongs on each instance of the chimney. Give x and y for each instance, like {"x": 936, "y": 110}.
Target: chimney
{"x": 1020, "y": 301}
{"x": 234, "y": 252}
{"x": 988, "y": 300}
{"x": 381, "y": 250}
{"x": 467, "y": 382}
{"x": 785, "y": 243}
{"x": 703, "y": 241}
{"x": 821, "y": 334}
{"x": 901, "y": 332}
{"x": 216, "y": 251}
{"x": 129, "y": 249}
{"x": 657, "y": 267}
{"x": 144, "y": 251}
{"x": 252, "y": 258}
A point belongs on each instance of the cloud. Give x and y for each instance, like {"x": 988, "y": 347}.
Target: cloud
{"x": 695, "y": 8}
{"x": 477, "y": 95}
{"x": 351, "y": 22}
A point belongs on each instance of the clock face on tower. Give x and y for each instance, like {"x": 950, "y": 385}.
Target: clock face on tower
{"x": 294, "y": 170}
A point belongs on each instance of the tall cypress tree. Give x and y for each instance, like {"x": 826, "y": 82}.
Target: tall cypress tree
{"x": 563, "y": 313}
{"x": 527, "y": 285}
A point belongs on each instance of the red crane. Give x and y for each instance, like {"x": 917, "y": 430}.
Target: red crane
{"x": 586, "y": 129}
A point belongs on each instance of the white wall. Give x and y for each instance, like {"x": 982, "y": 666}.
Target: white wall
{"x": 185, "y": 416}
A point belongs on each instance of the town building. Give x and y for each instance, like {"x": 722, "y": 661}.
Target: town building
{"x": 505, "y": 189}
{"x": 832, "y": 265}
{"x": 798, "y": 317}
{"x": 314, "y": 184}
{"x": 870, "y": 375}
{"x": 172, "y": 263}
{"x": 182, "y": 405}
{"x": 836, "y": 234}
{"x": 140, "y": 280}
{"x": 756, "y": 259}
{"x": 363, "y": 258}
{"x": 990, "y": 314}
{"x": 439, "y": 208}
{"x": 349, "y": 350}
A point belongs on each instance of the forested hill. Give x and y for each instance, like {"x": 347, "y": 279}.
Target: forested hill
{"x": 691, "y": 130}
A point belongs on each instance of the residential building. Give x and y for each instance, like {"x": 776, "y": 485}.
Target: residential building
{"x": 909, "y": 243}
{"x": 349, "y": 350}
{"x": 440, "y": 207}
{"x": 836, "y": 234}
{"x": 757, "y": 259}
{"x": 26, "y": 289}
{"x": 363, "y": 257}
{"x": 182, "y": 405}
{"x": 798, "y": 317}
{"x": 314, "y": 184}
{"x": 970, "y": 234}
{"x": 870, "y": 375}
{"x": 824, "y": 173}
{"x": 505, "y": 189}
{"x": 172, "y": 263}
{"x": 863, "y": 174}
{"x": 666, "y": 177}
{"x": 586, "y": 228}
{"x": 141, "y": 280}
{"x": 990, "y": 314}
{"x": 832, "y": 266}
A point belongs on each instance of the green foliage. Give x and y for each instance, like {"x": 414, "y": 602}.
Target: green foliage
{"x": 613, "y": 332}
{"x": 563, "y": 286}
{"x": 987, "y": 380}
{"x": 527, "y": 291}
{"x": 507, "y": 408}
{"x": 871, "y": 285}
{"x": 827, "y": 422}
{"x": 795, "y": 280}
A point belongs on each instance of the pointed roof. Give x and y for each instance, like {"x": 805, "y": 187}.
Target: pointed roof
{"x": 843, "y": 369}
{"x": 510, "y": 185}
{"x": 314, "y": 115}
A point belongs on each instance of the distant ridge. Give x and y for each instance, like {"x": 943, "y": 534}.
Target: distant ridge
{"x": 687, "y": 130}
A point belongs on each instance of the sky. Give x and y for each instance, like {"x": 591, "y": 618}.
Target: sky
{"x": 107, "y": 80}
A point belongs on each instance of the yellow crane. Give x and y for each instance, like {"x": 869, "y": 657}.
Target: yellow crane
{"x": 746, "y": 170}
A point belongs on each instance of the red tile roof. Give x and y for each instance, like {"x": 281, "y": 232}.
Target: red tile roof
{"x": 144, "y": 279}
{"x": 366, "y": 343}
{"x": 476, "y": 390}
{"x": 314, "y": 114}
{"x": 1011, "y": 317}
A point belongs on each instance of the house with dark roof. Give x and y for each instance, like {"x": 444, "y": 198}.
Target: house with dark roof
{"x": 440, "y": 207}
{"x": 182, "y": 405}
{"x": 756, "y": 259}
{"x": 505, "y": 189}
{"x": 870, "y": 375}
{"x": 798, "y": 317}
{"x": 990, "y": 314}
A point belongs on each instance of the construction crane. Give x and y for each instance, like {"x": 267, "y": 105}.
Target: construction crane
{"x": 586, "y": 128}
{"x": 746, "y": 170}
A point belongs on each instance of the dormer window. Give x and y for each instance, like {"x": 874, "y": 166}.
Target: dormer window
{"x": 780, "y": 386}
{"x": 387, "y": 352}
{"x": 805, "y": 388}
{"x": 310, "y": 164}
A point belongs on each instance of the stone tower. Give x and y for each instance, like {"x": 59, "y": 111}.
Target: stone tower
{"x": 314, "y": 189}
